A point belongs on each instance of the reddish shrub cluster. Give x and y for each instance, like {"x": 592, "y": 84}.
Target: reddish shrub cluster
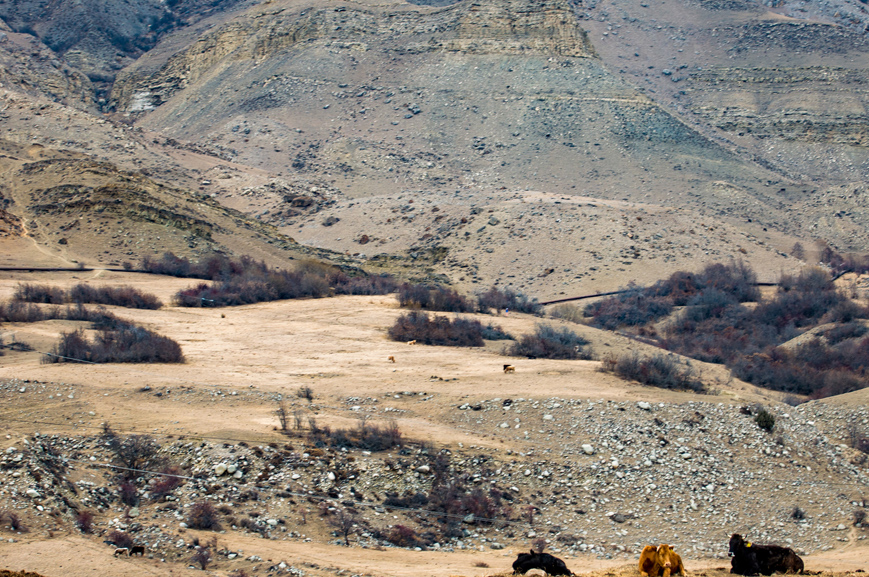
{"x": 438, "y": 330}
{"x": 549, "y": 342}
{"x": 203, "y": 515}
{"x": 715, "y": 327}
{"x": 503, "y": 299}
{"x": 166, "y": 483}
{"x": 120, "y": 539}
{"x": 128, "y": 297}
{"x": 660, "y": 371}
{"x": 638, "y": 306}
{"x": 433, "y": 298}
{"x": 246, "y": 281}
{"x": 126, "y": 343}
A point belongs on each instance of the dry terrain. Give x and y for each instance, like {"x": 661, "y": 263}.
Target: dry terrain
{"x": 718, "y": 469}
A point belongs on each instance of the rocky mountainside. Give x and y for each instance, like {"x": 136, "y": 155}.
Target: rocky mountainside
{"x": 326, "y": 119}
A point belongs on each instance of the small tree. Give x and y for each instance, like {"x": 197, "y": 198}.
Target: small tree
{"x": 345, "y": 522}
{"x": 136, "y": 452}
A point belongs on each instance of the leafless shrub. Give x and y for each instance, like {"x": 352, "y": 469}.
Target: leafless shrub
{"x": 14, "y": 520}
{"x": 305, "y": 392}
{"x": 203, "y": 515}
{"x": 120, "y": 539}
{"x": 283, "y": 415}
{"x": 538, "y": 545}
{"x": 345, "y": 523}
{"x": 859, "y": 516}
{"x": 128, "y": 493}
{"x": 437, "y": 330}
{"x": 166, "y": 483}
{"x": 550, "y": 342}
{"x": 797, "y": 514}
{"x": 84, "y": 521}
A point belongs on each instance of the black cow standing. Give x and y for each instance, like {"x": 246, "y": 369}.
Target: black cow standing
{"x": 751, "y": 559}
{"x": 549, "y": 563}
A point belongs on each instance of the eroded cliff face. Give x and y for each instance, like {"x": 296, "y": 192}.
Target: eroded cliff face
{"x": 28, "y": 66}
{"x": 510, "y": 27}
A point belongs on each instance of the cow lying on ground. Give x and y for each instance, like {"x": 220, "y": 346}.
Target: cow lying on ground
{"x": 548, "y": 563}
{"x": 751, "y": 559}
{"x": 660, "y": 561}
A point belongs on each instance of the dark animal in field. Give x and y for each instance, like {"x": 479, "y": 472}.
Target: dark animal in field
{"x": 751, "y": 559}
{"x": 550, "y": 564}
{"x": 137, "y": 550}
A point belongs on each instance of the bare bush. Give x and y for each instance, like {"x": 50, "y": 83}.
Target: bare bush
{"x": 402, "y": 536}
{"x": 125, "y": 296}
{"x": 166, "y": 483}
{"x": 433, "y": 298}
{"x": 662, "y": 371}
{"x": 120, "y": 539}
{"x": 508, "y": 299}
{"x": 549, "y": 342}
{"x": 203, "y": 515}
{"x": 84, "y": 521}
{"x": 417, "y": 326}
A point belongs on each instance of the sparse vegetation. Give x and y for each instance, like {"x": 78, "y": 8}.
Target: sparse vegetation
{"x": 417, "y": 326}
{"x": 125, "y": 296}
{"x": 549, "y": 342}
{"x": 433, "y": 298}
{"x": 567, "y": 312}
{"x": 366, "y": 436}
{"x": 504, "y": 299}
{"x": 859, "y": 516}
{"x": 203, "y": 515}
{"x": 120, "y": 539}
{"x": 765, "y": 420}
{"x": 14, "y": 520}
{"x": 246, "y": 281}
{"x": 797, "y": 514}
{"x": 117, "y": 341}
{"x": 715, "y": 327}
{"x": 84, "y": 521}
{"x": 662, "y": 371}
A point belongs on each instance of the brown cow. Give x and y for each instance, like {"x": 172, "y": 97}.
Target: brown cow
{"x": 660, "y": 562}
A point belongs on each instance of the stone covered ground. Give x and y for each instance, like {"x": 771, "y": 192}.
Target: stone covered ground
{"x": 605, "y": 478}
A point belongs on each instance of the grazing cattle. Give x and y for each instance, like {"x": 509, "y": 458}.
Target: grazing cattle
{"x": 413, "y": 342}
{"x": 122, "y": 551}
{"x": 660, "y": 561}
{"x": 550, "y": 564}
{"x": 751, "y": 559}
{"x": 391, "y": 358}
{"x": 509, "y": 369}
{"x": 137, "y": 550}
